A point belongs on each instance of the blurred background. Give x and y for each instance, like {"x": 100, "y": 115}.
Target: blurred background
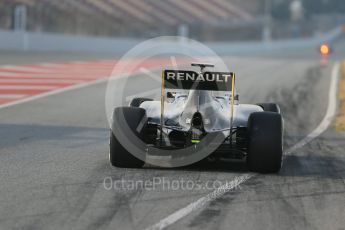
{"x": 56, "y": 57}
{"x": 213, "y": 20}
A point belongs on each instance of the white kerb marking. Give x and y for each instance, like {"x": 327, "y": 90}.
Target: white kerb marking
{"x": 69, "y": 88}
{"x": 27, "y": 87}
{"x": 19, "y": 80}
{"x": 57, "y": 91}
{"x": 24, "y": 68}
{"x": 12, "y": 96}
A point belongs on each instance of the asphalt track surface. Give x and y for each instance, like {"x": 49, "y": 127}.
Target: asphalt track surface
{"x": 54, "y": 160}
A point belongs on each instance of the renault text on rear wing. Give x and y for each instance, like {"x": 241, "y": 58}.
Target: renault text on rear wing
{"x": 212, "y": 81}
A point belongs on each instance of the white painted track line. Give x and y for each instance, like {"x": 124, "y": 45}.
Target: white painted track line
{"x": 203, "y": 201}
{"x": 330, "y": 113}
{"x": 200, "y": 203}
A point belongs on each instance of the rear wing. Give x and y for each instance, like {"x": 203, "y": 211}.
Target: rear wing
{"x": 191, "y": 80}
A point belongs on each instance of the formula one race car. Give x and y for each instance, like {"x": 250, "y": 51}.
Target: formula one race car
{"x": 197, "y": 111}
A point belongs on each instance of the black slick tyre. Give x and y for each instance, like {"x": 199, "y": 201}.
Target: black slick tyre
{"x": 127, "y": 120}
{"x": 265, "y": 144}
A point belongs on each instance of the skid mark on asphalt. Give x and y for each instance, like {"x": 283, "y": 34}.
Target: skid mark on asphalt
{"x": 231, "y": 185}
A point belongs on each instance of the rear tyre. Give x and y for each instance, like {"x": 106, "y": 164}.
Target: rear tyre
{"x": 265, "y": 147}
{"x": 136, "y": 102}
{"x": 133, "y": 117}
{"x": 270, "y": 107}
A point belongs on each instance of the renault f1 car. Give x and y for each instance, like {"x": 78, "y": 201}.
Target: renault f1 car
{"x": 198, "y": 110}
